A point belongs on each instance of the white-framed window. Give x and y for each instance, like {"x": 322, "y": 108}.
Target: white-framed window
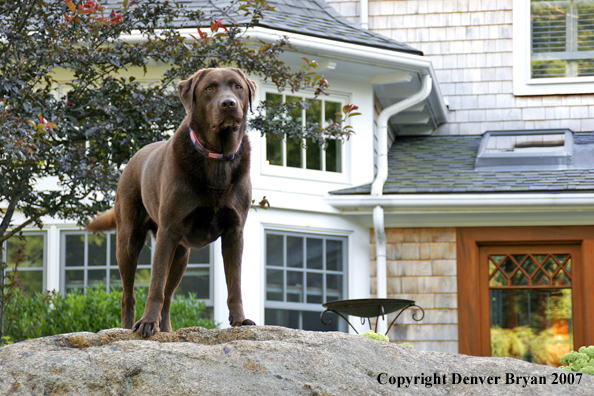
{"x": 90, "y": 259}
{"x": 304, "y": 271}
{"x": 553, "y": 47}
{"x": 306, "y": 159}
{"x": 33, "y": 263}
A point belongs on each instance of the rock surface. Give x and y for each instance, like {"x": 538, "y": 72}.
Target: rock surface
{"x": 263, "y": 360}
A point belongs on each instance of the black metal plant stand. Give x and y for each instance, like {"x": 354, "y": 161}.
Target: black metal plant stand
{"x": 369, "y": 308}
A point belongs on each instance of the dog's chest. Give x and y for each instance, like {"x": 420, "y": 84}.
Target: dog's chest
{"x": 205, "y": 225}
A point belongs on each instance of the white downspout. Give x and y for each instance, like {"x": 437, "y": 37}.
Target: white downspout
{"x": 364, "y": 5}
{"x": 377, "y": 187}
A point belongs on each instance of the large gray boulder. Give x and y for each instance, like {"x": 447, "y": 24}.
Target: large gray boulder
{"x": 262, "y": 360}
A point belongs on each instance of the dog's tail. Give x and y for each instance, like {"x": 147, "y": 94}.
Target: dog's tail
{"x": 106, "y": 221}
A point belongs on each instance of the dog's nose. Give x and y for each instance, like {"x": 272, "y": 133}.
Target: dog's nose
{"x": 228, "y": 104}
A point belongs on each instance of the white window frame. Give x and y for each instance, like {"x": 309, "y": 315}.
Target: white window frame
{"x": 301, "y": 173}
{"x": 208, "y": 302}
{"x": 43, "y": 269}
{"x": 523, "y": 83}
{"x": 305, "y": 306}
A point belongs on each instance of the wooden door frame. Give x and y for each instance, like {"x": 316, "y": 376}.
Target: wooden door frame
{"x": 473, "y": 321}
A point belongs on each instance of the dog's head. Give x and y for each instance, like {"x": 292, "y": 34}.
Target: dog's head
{"x": 217, "y": 100}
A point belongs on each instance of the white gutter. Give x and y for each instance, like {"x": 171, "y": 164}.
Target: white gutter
{"x": 364, "y": 5}
{"x": 489, "y": 202}
{"x": 377, "y": 186}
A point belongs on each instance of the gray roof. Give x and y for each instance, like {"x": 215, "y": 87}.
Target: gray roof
{"x": 307, "y": 17}
{"x": 444, "y": 165}
{"x": 316, "y": 18}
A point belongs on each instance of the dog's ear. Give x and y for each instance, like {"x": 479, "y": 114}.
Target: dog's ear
{"x": 252, "y": 87}
{"x": 186, "y": 89}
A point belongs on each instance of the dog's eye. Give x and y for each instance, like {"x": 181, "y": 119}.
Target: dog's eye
{"x": 209, "y": 89}
{"x": 238, "y": 87}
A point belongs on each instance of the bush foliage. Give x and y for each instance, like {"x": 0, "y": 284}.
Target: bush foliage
{"x": 45, "y": 314}
{"x": 582, "y": 361}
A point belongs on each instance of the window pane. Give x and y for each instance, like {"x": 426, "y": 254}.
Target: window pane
{"x": 315, "y": 285}
{"x": 281, "y": 317}
{"x": 97, "y": 250}
{"x": 75, "y": 250}
{"x": 274, "y": 285}
{"x": 533, "y": 325}
{"x": 32, "y": 281}
{"x": 313, "y": 114}
{"x": 195, "y": 280}
{"x": 311, "y": 321}
{"x": 95, "y": 277}
{"x": 114, "y": 278}
{"x": 75, "y": 280}
{"x": 295, "y": 146}
{"x": 143, "y": 278}
{"x": 294, "y": 153}
{"x": 313, "y": 155}
{"x": 274, "y": 250}
{"x": 145, "y": 254}
{"x": 274, "y": 150}
{"x": 562, "y": 36}
{"x": 113, "y": 261}
{"x": 333, "y": 287}
{"x": 315, "y": 259}
{"x": 31, "y": 253}
{"x": 331, "y": 110}
{"x": 294, "y": 286}
{"x": 296, "y": 114}
{"x": 333, "y": 255}
{"x": 294, "y": 252}
{"x": 200, "y": 256}
{"x": 334, "y": 155}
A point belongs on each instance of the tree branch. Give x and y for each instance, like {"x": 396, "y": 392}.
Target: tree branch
{"x": 9, "y": 212}
{"x": 25, "y": 224}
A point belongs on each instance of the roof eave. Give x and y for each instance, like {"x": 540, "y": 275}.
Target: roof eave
{"x": 463, "y": 203}
{"x": 390, "y": 58}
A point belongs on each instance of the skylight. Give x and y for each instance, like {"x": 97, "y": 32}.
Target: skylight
{"x": 526, "y": 150}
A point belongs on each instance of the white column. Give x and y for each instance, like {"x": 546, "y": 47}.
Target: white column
{"x": 52, "y": 275}
{"x": 221, "y": 313}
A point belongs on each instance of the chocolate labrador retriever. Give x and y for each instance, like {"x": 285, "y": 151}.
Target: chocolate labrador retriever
{"x": 188, "y": 191}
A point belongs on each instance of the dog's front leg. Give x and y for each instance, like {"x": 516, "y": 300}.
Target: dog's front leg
{"x": 163, "y": 257}
{"x": 232, "y": 243}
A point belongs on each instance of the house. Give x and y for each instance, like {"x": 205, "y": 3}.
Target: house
{"x": 468, "y": 186}
{"x": 486, "y": 215}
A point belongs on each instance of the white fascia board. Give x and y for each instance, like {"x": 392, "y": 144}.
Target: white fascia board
{"x": 462, "y": 203}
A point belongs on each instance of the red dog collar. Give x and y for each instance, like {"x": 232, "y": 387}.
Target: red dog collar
{"x": 209, "y": 153}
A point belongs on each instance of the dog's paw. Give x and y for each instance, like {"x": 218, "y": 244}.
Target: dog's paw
{"x": 146, "y": 328}
{"x": 245, "y": 322}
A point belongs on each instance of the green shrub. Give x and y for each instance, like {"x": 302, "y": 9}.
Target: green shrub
{"x": 375, "y": 336}
{"x": 582, "y": 361}
{"x": 50, "y": 313}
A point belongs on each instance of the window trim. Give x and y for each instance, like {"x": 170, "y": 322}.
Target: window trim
{"x": 304, "y": 306}
{"x": 302, "y": 173}
{"x": 208, "y": 302}
{"x": 474, "y": 321}
{"x": 523, "y": 84}
{"x": 43, "y": 268}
